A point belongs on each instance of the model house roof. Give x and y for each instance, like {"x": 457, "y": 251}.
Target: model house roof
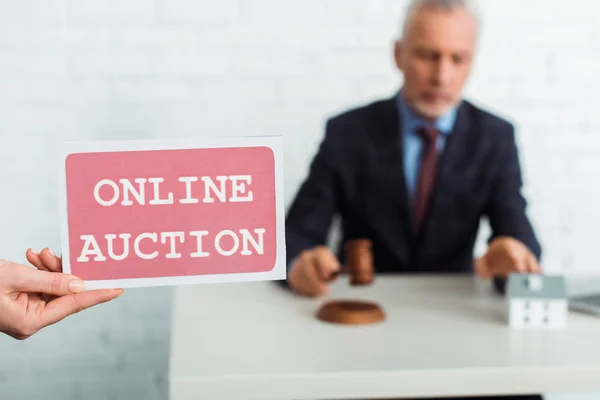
{"x": 536, "y": 286}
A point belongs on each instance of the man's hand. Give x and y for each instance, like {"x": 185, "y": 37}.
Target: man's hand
{"x": 313, "y": 270}
{"x": 504, "y": 256}
{"x": 32, "y": 299}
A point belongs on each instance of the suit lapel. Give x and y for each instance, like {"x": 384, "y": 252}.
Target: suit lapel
{"x": 389, "y": 211}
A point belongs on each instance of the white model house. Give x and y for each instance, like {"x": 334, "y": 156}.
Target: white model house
{"x": 536, "y": 301}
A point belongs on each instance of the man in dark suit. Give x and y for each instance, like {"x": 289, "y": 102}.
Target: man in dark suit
{"x": 415, "y": 173}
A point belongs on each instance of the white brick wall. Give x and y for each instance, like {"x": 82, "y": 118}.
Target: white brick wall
{"x": 133, "y": 69}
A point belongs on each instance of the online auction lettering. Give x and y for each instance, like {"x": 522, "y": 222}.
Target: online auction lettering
{"x": 142, "y": 191}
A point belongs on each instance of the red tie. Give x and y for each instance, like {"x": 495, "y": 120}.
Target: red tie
{"x": 429, "y": 158}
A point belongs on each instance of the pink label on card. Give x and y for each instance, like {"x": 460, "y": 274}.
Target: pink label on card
{"x": 171, "y": 213}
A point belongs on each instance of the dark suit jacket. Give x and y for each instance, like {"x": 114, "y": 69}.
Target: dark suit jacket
{"x": 358, "y": 175}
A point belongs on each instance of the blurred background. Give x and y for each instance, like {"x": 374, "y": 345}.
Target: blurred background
{"x": 149, "y": 69}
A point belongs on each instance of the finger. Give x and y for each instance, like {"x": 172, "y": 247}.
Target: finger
{"x": 533, "y": 265}
{"x": 64, "y": 306}
{"x": 35, "y": 260}
{"x": 502, "y": 269}
{"x": 327, "y": 264}
{"x": 509, "y": 265}
{"x": 513, "y": 268}
{"x": 510, "y": 261}
{"x": 485, "y": 267}
{"x": 312, "y": 282}
{"x": 54, "y": 283}
{"x": 481, "y": 268}
{"x": 50, "y": 260}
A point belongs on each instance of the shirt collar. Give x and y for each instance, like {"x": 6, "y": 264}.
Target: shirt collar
{"x": 412, "y": 121}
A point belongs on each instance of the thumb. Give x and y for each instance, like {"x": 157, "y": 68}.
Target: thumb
{"x": 481, "y": 268}
{"x": 52, "y": 283}
{"x": 533, "y": 264}
{"x": 327, "y": 264}
{"x": 64, "y": 306}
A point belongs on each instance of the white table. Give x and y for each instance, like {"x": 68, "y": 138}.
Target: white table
{"x": 443, "y": 336}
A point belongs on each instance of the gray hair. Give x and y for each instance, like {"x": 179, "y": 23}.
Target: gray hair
{"x": 442, "y": 5}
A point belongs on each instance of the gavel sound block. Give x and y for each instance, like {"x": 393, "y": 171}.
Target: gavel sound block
{"x": 359, "y": 261}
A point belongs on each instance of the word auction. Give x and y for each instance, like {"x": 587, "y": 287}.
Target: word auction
{"x": 243, "y": 238}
